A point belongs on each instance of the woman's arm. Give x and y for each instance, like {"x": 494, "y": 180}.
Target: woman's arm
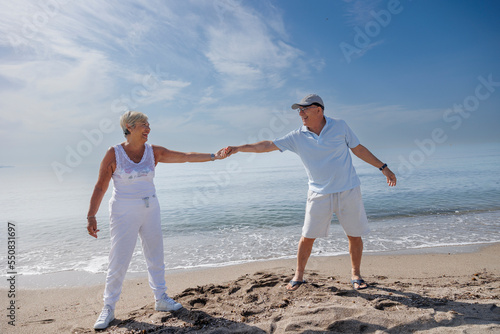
{"x": 168, "y": 156}
{"x": 106, "y": 170}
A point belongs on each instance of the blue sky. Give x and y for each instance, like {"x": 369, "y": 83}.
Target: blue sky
{"x": 215, "y": 73}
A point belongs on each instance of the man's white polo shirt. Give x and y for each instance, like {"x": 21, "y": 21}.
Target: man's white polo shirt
{"x": 326, "y": 157}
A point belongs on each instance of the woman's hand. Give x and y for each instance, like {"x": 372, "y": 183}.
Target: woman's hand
{"x": 92, "y": 226}
{"x": 222, "y": 153}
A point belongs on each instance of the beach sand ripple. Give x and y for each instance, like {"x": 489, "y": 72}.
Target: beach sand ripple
{"x": 431, "y": 292}
{"x": 259, "y": 303}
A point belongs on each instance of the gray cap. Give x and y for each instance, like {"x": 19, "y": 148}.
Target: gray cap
{"x": 308, "y": 100}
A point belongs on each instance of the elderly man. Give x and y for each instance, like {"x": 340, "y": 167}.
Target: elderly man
{"x": 323, "y": 144}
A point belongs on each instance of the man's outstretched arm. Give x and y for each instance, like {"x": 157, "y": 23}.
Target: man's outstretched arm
{"x": 364, "y": 154}
{"x": 259, "y": 147}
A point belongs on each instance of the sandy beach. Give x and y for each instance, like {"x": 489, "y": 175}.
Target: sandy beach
{"x": 435, "y": 291}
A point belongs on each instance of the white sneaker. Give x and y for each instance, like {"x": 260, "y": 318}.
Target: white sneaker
{"x": 107, "y": 315}
{"x": 167, "y": 304}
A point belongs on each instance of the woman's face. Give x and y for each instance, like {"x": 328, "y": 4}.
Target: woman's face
{"x": 140, "y": 130}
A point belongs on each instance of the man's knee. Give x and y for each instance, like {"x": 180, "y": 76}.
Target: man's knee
{"x": 305, "y": 240}
{"x": 355, "y": 242}
{"x": 354, "y": 239}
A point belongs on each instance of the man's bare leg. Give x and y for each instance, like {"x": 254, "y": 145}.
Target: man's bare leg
{"x": 356, "y": 252}
{"x": 303, "y": 253}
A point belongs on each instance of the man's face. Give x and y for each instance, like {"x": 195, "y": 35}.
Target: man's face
{"x": 311, "y": 115}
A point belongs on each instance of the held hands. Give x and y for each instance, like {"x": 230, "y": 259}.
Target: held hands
{"x": 225, "y": 152}
{"x": 230, "y": 150}
{"x": 221, "y": 154}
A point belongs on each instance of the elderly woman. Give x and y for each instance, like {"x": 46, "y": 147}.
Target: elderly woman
{"x": 134, "y": 210}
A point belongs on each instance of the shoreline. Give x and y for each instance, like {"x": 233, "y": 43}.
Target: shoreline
{"x": 76, "y": 279}
{"x": 415, "y": 291}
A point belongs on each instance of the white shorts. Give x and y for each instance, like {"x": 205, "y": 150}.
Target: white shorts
{"x": 347, "y": 206}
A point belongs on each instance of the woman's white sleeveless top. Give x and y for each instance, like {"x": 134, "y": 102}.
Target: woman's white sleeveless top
{"x": 133, "y": 180}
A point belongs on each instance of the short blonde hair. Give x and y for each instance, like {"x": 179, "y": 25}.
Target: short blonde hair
{"x": 131, "y": 118}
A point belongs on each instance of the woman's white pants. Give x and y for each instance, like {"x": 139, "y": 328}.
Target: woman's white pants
{"x": 130, "y": 218}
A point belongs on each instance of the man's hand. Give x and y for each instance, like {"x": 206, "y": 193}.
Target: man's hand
{"x": 259, "y": 147}
{"x": 230, "y": 150}
{"x": 391, "y": 177}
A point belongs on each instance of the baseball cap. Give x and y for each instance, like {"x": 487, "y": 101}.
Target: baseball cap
{"x": 308, "y": 100}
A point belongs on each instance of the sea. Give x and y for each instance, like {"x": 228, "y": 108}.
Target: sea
{"x": 249, "y": 207}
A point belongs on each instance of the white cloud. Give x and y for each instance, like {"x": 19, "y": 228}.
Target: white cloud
{"x": 358, "y": 12}
{"x": 84, "y": 61}
{"x": 248, "y": 52}
{"x": 54, "y": 87}
{"x": 167, "y": 90}
{"x": 79, "y": 72}
{"x": 207, "y": 96}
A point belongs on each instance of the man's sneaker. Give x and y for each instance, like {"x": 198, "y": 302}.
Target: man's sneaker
{"x": 165, "y": 303}
{"x": 107, "y": 315}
